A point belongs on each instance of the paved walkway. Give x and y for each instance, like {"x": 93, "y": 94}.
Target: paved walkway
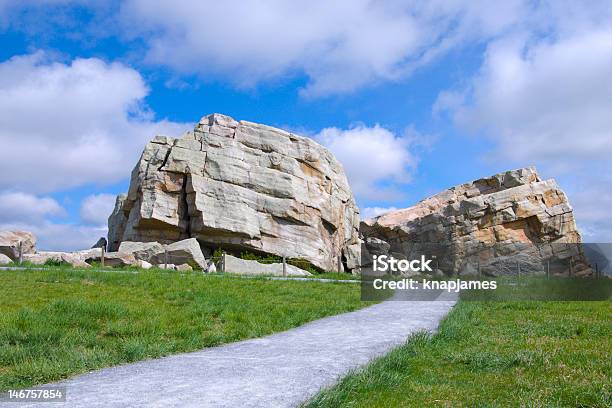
{"x": 280, "y": 370}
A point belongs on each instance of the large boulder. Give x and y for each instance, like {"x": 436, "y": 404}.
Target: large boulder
{"x": 483, "y": 227}
{"x": 240, "y": 185}
{"x": 10, "y": 240}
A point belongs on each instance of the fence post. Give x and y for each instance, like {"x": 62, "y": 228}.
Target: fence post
{"x": 596, "y": 270}
{"x": 548, "y": 269}
{"x": 165, "y": 258}
{"x": 571, "y": 269}
{"x": 223, "y": 261}
{"x": 284, "y": 266}
{"x": 339, "y": 263}
{"x": 20, "y": 252}
{"x": 518, "y": 269}
{"x": 102, "y": 257}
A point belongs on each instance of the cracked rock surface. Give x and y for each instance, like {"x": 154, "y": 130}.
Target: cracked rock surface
{"x": 243, "y": 186}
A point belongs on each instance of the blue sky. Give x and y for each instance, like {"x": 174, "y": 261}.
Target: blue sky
{"x": 443, "y": 92}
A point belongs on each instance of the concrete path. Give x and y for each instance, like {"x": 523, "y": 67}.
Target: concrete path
{"x": 280, "y": 370}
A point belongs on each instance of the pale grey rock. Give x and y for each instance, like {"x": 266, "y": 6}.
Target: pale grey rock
{"x": 169, "y": 266}
{"x": 145, "y": 251}
{"x": 353, "y": 257}
{"x": 184, "y": 267}
{"x": 5, "y": 260}
{"x": 116, "y": 223}
{"x": 249, "y": 267}
{"x": 43, "y": 257}
{"x": 9, "y": 243}
{"x": 186, "y": 251}
{"x": 143, "y": 264}
{"x": 240, "y": 185}
{"x": 377, "y": 246}
{"x": 39, "y": 258}
{"x": 119, "y": 259}
{"x": 211, "y": 268}
{"x": 477, "y": 227}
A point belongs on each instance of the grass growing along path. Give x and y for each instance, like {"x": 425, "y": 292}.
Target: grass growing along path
{"x": 493, "y": 354}
{"x": 58, "y": 323}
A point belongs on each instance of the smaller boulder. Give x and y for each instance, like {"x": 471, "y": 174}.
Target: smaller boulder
{"x": 143, "y": 264}
{"x": 184, "y": 267}
{"x": 376, "y": 246}
{"x": 211, "y": 268}
{"x": 186, "y": 251}
{"x": 101, "y": 243}
{"x": 145, "y": 251}
{"x": 119, "y": 259}
{"x": 167, "y": 266}
{"x": 352, "y": 254}
{"x": 89, "y": 255}
{"x": 5, "y": 260}
{"x": 9, "y": 243}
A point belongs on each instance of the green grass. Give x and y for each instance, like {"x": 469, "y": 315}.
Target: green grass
{"x": 61, "y": 322}
{"x": 493, "y": 354}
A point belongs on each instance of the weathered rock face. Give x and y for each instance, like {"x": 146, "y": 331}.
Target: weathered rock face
{"x": 240, "y": 185}
{"x": 9, "y": 243}
{"x": 486, "y": 221}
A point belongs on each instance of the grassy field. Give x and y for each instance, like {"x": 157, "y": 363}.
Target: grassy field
{"x": 494, "y": 354}
{"x": 58, "y": 323}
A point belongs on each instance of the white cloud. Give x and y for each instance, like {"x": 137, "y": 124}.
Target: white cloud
{"x": 96, "y": 208}
{"x": 21, "y": 211}
{"x": 543, "y": 95}
{"x": 59, "y": 237}
{"x": 65, "y": 125}
{"x": 375, "y": 160}
{"x": 371, "y": 212}
{"x": 18, "y": 206}
{"x": 339, "y": 46}
{"x": 543, "y": 100}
